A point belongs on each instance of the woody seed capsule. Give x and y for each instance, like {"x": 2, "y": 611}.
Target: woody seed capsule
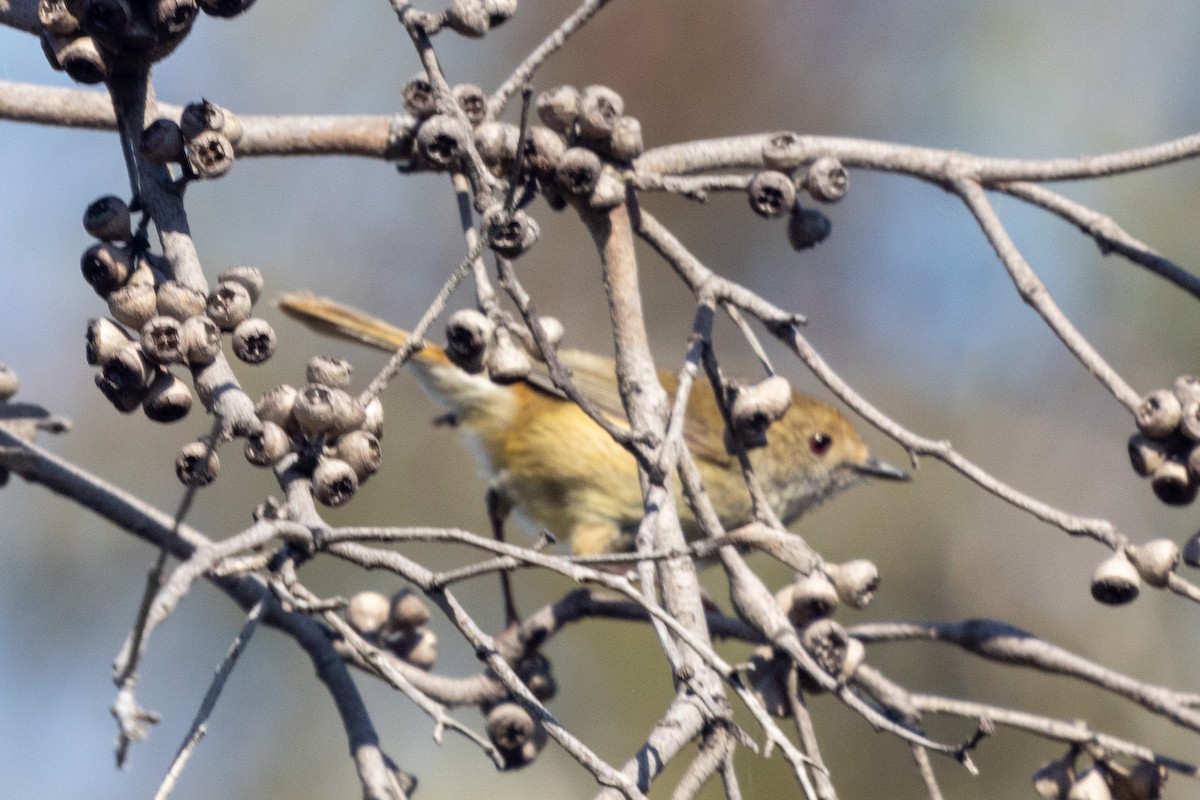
{"x": 373, "y": 418}
{"x": 558, "y": 108}
{"x": 79, "y": 57}
{"x": 418, "y": 98}
{"x": 506, "y": 362}
{"x": 127, "y": 370}
{"x": 510, "y": 726}
{"x": 755, "y": 407}
{"x": 168, "y": 399}
{"x": 200, "y": 117}
{"x": 224, "y": 8}
{"x": 267, "y": 445}
{"x": 105, "y": 267}
{"x": 171, "y": 18}
{"x": 599, "y": 109}
{"x": 329, "y": 370}
{"x": 626, "y": 141}
{"x": 1186, "y": 387}
{"x": 56, "y": 17}
{"x": 856, "y": 582}
{"x": 107, "y": 17}
{"x": 104, "y": 339}
{"x": 1155, "y": 560}
{"x": 209, "y": 154}
{"x": 497, "y": 145}
{"x": 334, "y": 482}
{"x": 408, "y": 611}
{"x": 1115, "y": 581}
{"x": 829, "y": 644}
{"x": 468, "y": 333}
{"x": 771, "y": 194}
{"x": 1090, "y": 786}
{"x": 314, "y": 409}
{"x": 250, "y": 278}
{"x": 782, "y": 151}
{"x": 367, "y": 613}
{"x": 162, "y": 340}
{"x": 162, "y": 142}
{"x": 276, "y": 405}
{"x": 1158, "y": 414}
{"x": 500, "y": 10}
{"x": 826, "y": 180}
{"x": 254, "y": 340}
{"x": 418, "y": 647}
{"x": 509, "y": 235}
{"x": 9, "y": 382}
{"x": 810, "y": 597}
{"x": 229, "y": 305}
{"x": 197, "y": 464}
{"x": 133, "y": 304}
{"x": 541, "y": 150}
{"x": 1172, "y": 484}
{"x": 361, "y": 451}
{"x": 108, "y": 218}
{"x": 1189, "y": 420}
{"x": 468, "y": 17}
{"x": 1146, "y": 455}
{"x": 471, "y": 100}
{"x": 200, "y": 340}
{"x": 442, "y": 141}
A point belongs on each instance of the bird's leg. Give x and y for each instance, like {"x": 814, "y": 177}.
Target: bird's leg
{"x": 499, "y": 505}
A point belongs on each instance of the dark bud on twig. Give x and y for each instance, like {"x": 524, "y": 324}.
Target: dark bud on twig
{"x": 558, "y": 108}
{"x": 106, "y": 267}
{"x": 162, "y": 142}
{"x": 1172, "y": 484}
{"x": 1116, "y": 580}
{"x": 1155, "y": 560}
{"x": 578, "y": 171}
{"x": 267, "y": 445}
{"x": 468, "y": 333}
{"x": 169, "y": 398}
{"x": 1158, "y": 414}
{"x": 809, "y": 598}
{"x": 807, "y": 227}
{"x": 162, "y": 340}
{"x": 509, "y": 235}
{"x": 229, "y": 305}
{"x": 599, "y": 109}
{"x": 224, "y": 8}
{"x": 442, "y": 141}
{"x": 56, "y": 17}
{"x": 108, "y": 218}
{"x": 497, "y": 145}
{"x": 471, "y": 100}
{"x": 179, "y": 301}
{"x": 9, "y": 383}
{"x": 1146, "y": 455}
{"x": 254, "y": 340}
{"x": 782, "y": 152}
{"x": 209, "y": 154}
{"x": 418, "y": 97}
{"x": 334, "y": 482}
{"x": 771, "y": 194}
{"x": 367, "y": 613}
{"x": 329, "y": 370}
{"x": 104, "y": 339}
{"x": 249, "y": 277}
{"x": 826, "y": 180}
{"x": 197, "y": 464}
{"x": 361, "y": 451}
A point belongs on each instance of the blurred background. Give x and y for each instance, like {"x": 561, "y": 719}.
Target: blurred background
{"x": 905, "y": 300}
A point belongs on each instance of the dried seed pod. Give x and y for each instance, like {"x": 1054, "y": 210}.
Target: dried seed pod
{"x": 771, "y": 194}
{"x": 1189, "y": 420}
{"x": 1053, "y": 779}
{"x": 767, "y": 674}
{"x": 468, "y": 334}
{"x": 472, "y": 101}
{"x": 756, "y": 406}
{"x": 558, "y": 108}
{"x": 1115, "y": 581}
{"x": 1172, "y": 484}
{"x": 361, "y": 451}
{"x": 509, "y": 235}
{"x": 500, "y": 10}
{"x": 1090, "y": 786}
{"x": 609, "y": 191}
{"x": 124, "y": 400}
{"x": 497, "y": 145}
{"x": 783, "y": 151}
{"x": 224, "y": 8}
{"x": 540, "y": 151}
{"x": 107, "y": 18}
{"x": 534, "y": 671}
{"x": 1145, "y": 454}
{"x": 809, "y": 598}
{"x": 229, "y": 305}
{"x": 552, "y": 329}
{"x": 9, "y": 382}
{"x": 250, "y": 278}
{"x": 856, "y": 582}
{"x": 329, "y": 370}
{"x": 515, "y": 733}
{"x": 367, "y": 613}
{"x": 104, "y": 339}
{"x": 162, "y": 142}
{"x": 200, "y": 340}
{"x": 1186, "y": 387}
{"x": 1155, "y": 560}
{"x": 197, "y": 118}
{"x": 408, "y": 611}
{"x": 267, "y": 445}
{"x": 162, "y": 340}
{"x": 254, "y": 341}
{"x": 807, "y": 227}
{"x": 1144, "y": 780}
{"x": 373, "y": 418}
{"x": 1191, "y": 551}
{"x": 418, "y": 647}
{"x": 108, "y": 218}
{"x": 334, "y": 482}
{"x": 209, "y": 154}
{"x": 506, "y": 361}
{"x": 133, "y": 304}
{"x": 197, "y": 464}
{"x": 169, "y": 398}
{"x": 829, "y": 644}
{"x": 625, "y": 143}
{"x": 578, "y": 171}
{"x": 105, "y": 267}
{"x": 1158, "y": 414}
{"x": 79, "y": 57}
{"x": 442, "y": 141}
{"x": 171, "y": 18}
{"x": 826, "y": 180}
{"x": 56, "y": 17}
{"x": 599, "y": 109}
{"x": 418, "y": 97}
{"x": 127, "y": 369}
{"x": 468, "y": 17}
{"x": 323, "y": 410}
{"x": 276, "y": 405}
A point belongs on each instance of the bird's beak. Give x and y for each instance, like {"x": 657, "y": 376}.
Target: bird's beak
{"x": 875, "y": 468}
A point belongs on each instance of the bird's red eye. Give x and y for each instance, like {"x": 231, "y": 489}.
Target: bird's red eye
{"x": 819, "y": 443}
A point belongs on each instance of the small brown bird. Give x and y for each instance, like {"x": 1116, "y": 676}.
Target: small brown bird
{"x": 544, "y": 456}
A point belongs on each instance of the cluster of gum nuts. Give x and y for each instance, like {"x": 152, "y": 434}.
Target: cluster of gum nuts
{"x": 1104, "y": 779}
{"x": 335, "y": 435}
{"x": 160, "y": 323}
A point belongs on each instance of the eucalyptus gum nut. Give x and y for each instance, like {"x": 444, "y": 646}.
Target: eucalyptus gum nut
{"x": 1155, "y": 560}
{"x": 1116, "y": 580}
{"x": 276, "y": 405}
{"x": 329, "y": 370}
{"x": 558, "y": 108}
{"x": 368, "y": 612}
{"x": 254, "y": 340}
{"x": 771, "y": 194}
{"x": 210, "y": 155}
{"x": 758, "y": 405}
{"x": 104, "y": 339}
{"x": 251, "y": 279}
{"x": 200, "y": 340}
{"x": 360, "y": 450}
{"x": 1172, "y": 484}
{"x": 418, "y": 647}
{"x": 9, "y": 383}
{"x": 106, "y": 267}
{"x": 407, "y": 610}
{"x": 1158, "y": 414}
{"x": 826, "y": 180}
{"x": 506, "y": 362}
{"x": 468, "y": 333}
{"x": 197, "y": 465}
{"x": 229, "y": 305}
{"x": 334, "y": 482}
{"x": 811, "y": 597}
{"x": 1146, "y": 454}
{"x": 107, "y": 218}
{"x": 856, "y": 582}
{"x": 168, "y": 400}
{"x": 267, "y": 445}
{"x": 599, "y": 109}
{"x": 442, "y": 140}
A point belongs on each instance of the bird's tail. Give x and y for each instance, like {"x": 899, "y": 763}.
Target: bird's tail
{"x": 343, "y": 322}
